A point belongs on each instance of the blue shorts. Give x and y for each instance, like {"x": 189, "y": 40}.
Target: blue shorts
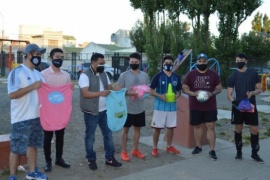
{"x": 26, "y": 134}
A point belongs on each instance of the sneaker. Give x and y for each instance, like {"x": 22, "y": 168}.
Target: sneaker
{"x": 238, "y": 155}
{"x": 257, "y": 158}
{"x": 197, "y": 150}
{"x": 137, "y": 153}
{"x": 124, "y": 156}
{"x": 213, "y": 155}
{"x": 113, "y": 162}
{"x": 155, "y": 152}
{"x": 173, "y": 150}
{"x": 12, "y": 177}
{"x": 92, "y": 164}
{"x": 36, "y": 175}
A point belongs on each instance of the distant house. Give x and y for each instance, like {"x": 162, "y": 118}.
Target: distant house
{"x": 46, "y": 37}
{"x": 121, "y": 38}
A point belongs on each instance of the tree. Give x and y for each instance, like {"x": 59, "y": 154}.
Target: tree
{"x": 137, "y": 36}
{"x": 261, "y": 23}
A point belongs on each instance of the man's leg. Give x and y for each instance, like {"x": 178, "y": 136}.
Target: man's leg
{"x": 48, "y": 135}
{"x": 31, "y": 158}
{"x": 198, "y": 132}
{"x": 124, "y": 138}
{"x": 238, "y": 140}
{"x": 13, "y": 163}
{"x": 169, "y": 136}
{"x": 156, "y": 137}
{"x": 254, "y": 139}
{"x": 59, "y": 143}
{"x": 211, "y": 135}
{"x": 136, "y": 137}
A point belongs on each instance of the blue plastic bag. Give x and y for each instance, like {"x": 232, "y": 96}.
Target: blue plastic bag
{"x": 244, "y": 105}
{"x": 116, "y": 109}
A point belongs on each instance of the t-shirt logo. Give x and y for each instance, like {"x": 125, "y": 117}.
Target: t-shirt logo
{"x": 202, "y": 82}
{"x": 56, "y": 97}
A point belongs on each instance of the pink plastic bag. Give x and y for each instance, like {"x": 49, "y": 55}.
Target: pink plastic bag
{"x": 141, "y": 90}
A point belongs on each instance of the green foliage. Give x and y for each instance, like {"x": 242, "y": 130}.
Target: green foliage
{"x": 137, "y": 36}
{"x": 261, "y": 23}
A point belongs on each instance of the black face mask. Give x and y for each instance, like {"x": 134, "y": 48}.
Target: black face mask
{"x": 168, "y": 67}
{"x": 57, "y": 62}
{"x": 201, "y": 67}
{"x": 35, "y": 60}
{"x": 100, "y": 68}
{"x": 134, "y": 66}
{"x": 240, "y": 65}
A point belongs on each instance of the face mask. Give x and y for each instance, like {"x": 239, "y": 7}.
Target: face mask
{"x": 100, "y": 68}
{"x": 240, "y": 65}
{"x": 57, "y": 62}
{"x": 35, "y": 60}
{"x": 134, "y": 66}
{"x": 201, "y": 67}
{"x": 168, "y": 67}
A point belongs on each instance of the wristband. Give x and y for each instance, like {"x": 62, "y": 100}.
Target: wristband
{"x": 213, "y": 94}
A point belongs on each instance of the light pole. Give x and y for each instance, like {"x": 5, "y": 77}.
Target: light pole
{"x": 2, "y": 44}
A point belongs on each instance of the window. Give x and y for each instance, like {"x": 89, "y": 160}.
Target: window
{"x": 53, "y": 43}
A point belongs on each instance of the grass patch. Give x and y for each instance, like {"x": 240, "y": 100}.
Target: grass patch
{"x": 267, "y": 132}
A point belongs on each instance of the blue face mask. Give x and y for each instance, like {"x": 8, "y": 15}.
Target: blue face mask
{"x": 168, "y": 67}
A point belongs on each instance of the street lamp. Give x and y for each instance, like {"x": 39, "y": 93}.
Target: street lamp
{"x": 1, "y": 57}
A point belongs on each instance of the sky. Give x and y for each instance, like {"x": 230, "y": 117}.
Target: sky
{"x": 86, "y": 20}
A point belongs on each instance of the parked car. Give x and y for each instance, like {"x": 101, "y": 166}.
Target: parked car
{"x": 260, "y": 69}
{"x": 42, "y": 66}
{"x": 109, "y": 70}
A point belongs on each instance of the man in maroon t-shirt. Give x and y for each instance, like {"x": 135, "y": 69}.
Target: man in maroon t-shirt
{"x": 203, "y": 79}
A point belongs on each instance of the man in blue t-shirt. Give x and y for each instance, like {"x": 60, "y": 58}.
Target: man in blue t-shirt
{"x": 165, "y": 109}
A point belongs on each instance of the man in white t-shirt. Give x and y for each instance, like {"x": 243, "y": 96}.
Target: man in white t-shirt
{"x": 95, "y": 86}
{"x": 26, "y": 132}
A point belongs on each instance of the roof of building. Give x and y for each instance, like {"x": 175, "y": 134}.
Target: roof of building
{"x": 73, "y": 49}
{"x": 110, "y": 47}
{"x": 67, "y": 37}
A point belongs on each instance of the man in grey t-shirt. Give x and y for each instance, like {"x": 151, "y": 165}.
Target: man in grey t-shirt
{"x": 135, "y": 105}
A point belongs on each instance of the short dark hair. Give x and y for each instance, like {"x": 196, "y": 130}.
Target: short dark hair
{"x": 168, "y": 57}
{"x": 242, "y": 55}
{"x": 55, "y": 50}
{"x": 135, "y": 55}
{"x": 95, "y": 56}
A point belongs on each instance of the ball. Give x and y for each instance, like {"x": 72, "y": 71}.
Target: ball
{"x": 202, "y": 96}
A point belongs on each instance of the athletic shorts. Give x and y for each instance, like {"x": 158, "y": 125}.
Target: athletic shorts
{"x": 199, "y": 117}
{"x": 26, "y": 134}
{"x": 245, "y": 117}
{"x": 137, "y": 120}
{"x": 163, "y": 119}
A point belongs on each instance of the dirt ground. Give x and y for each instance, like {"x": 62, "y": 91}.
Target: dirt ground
{"x": 74, "y": 150}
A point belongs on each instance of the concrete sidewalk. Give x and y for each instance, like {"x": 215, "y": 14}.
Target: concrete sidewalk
{"x": 201, "y": 167}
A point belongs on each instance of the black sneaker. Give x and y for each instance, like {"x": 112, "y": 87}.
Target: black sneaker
{"x": 197, "y": 150}
{"x": 213, "y": 155}
{"x": 238, "y": 155}
{"x": 257, "y": 158}
{"x": 113, "y": 162}
{"x": 92, "y": 165}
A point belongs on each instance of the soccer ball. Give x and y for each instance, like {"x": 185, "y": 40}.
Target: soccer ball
{"x": 202, "y": 96}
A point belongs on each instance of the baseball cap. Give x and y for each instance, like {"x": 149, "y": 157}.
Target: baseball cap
{"x": 34, "y": 47}
{"x": 202, "y": 55}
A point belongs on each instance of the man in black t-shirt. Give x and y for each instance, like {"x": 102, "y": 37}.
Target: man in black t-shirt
{"x": 246, "y": 84}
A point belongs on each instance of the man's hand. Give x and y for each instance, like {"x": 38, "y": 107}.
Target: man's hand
{"x": 36, "y": 85}
{"x": 105, "y": 93}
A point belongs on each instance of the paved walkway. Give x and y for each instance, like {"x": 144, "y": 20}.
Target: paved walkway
{"x": 201, "y": 167}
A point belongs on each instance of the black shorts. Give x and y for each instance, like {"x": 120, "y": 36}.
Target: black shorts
{"x": 244, "y": 117}
{"x": 199, "y": 117}
{"x": 137, "y": 120}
